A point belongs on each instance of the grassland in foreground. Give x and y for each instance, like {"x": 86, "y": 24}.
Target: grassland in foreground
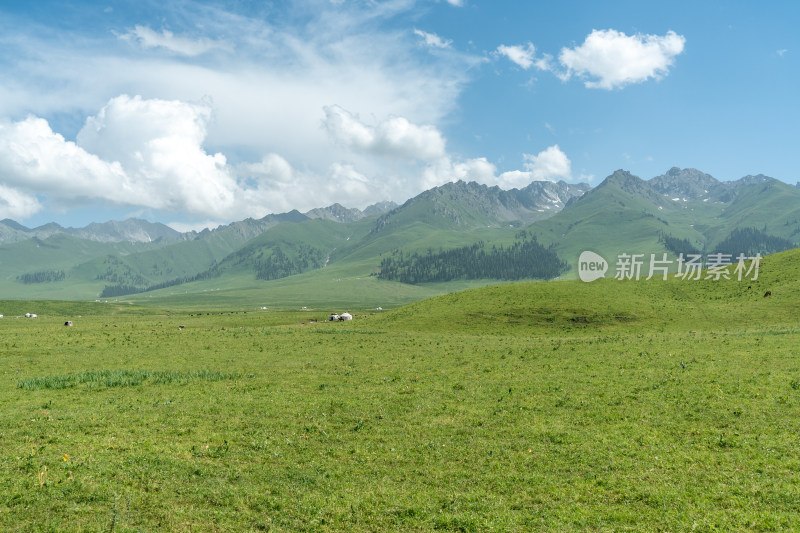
{"x": 646, "y": 406}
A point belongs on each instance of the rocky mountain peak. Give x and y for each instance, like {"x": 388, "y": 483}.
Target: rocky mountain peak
{"x": 688, "y": 183}
{"x": 337, "y": 213}
{"x": 752, "y": 180}
{"x": 379, "y": 208}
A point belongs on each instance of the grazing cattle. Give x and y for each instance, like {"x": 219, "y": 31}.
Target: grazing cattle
{"x": 68, "y": 323}
{"x": 768, "y": 293}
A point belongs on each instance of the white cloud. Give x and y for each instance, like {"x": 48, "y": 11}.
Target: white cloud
{"x": 521, "y": 55}
{"x": 17, "y": 205}
{"x": 514, "y": 179}
{"x": 524, "y": 56}
{"x": 345, "y": 180}
{"x": 782, "y": 51}
{"x": 149, "y": 153}
{"x": 274, "y": 185}
{"x": 149, "y": 38}
{"x": 612, "y": 59}
{"x": 446, "y": 170}
{"x": 137, "y": 152}
{"x": 457, "y": 3}
{"x": 395, "y": 136}
{"x": 549, "y": 164}
{"x": 219, "y": 137}
{"x": 266, "y": 102}
{"x": 433, "y": 40}
{"x": 158, "y": 143}
{"x": 185, "y": 227}
{"x": 35, "y": 159}
{"x": 267, "y": 97}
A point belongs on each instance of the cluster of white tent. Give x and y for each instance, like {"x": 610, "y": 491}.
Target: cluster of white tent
{"x": 342, "y": 317}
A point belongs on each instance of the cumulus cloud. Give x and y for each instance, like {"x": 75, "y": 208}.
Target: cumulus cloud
{"x": 446, "y": 169}
{"x": 274, "y": 185}
{"x": 34, "y": 158}
{"x": 514, "y": 179}
{"x": 395, "y": 136}
{"x": 611, "y": 59}
{"x": 149, "y": 38}
{"x": 158, "y": 143}
{"x": 17, "y": 205}
{"x": 433, "y": 40}
{"x": 138, "y": 152}
{"x": 457, "y": 3}
{"x": 150, "y": 154}
{"x": 549, "y": 164}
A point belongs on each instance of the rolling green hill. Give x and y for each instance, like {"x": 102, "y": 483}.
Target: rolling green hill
{"x": 609, "y": 304}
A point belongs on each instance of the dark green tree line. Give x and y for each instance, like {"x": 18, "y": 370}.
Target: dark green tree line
{"x": 750, "y": 241}
{"x": 676, "y": 245}
{"x": 44, "y": 276}
{"x": 525, "y": 259}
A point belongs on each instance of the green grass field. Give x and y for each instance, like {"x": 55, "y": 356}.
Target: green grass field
{"x": 562, "y": 406}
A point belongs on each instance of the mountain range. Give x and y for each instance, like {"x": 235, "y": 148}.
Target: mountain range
{"x": 138, "y": 230}
{"x": 339, "y": 255}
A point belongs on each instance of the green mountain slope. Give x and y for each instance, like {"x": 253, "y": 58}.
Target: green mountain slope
{"x": 626, "y": 214}
{"x": 58, "y": 253}
{"x": 621, "y": 215}
{"x": 770, "y": 204}
{"x": 462, "y": 205}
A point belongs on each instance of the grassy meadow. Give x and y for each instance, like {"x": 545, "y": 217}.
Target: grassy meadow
{"x": 562, "y": 406}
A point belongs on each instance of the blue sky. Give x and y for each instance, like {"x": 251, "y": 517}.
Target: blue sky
{"x": 200, "y": 113}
